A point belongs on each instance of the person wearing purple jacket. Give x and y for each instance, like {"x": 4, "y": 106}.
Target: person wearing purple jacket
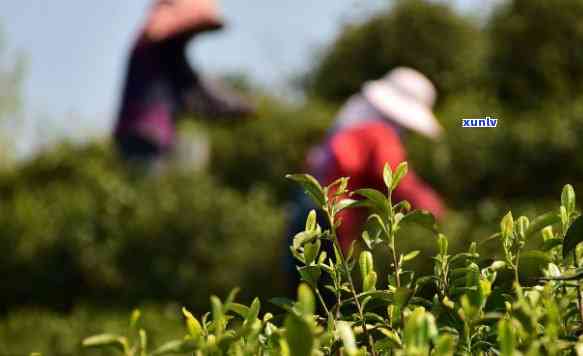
{"x": 161, "y": 85}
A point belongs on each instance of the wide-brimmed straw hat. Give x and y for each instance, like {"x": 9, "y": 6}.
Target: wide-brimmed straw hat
{"x": 172, "y": 18}
{"x": 406, "y": 97}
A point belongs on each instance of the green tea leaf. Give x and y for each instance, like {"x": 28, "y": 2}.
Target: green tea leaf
{"x": 568, "y": 198}
{"x": 522, "y": 224}
{"x": 578, "y": 275}
{"x": 443, "y": 244}
{"x": 218, "y": 315}
{"x": 402, "y": 296}
{"x": 403, "y": 206}
{"x": 551, "y": 243}
{"x": 239, "y": 309}
{"x": 135, "y": 318}
{"x": 305, "y": 237}
{"x": 420, "y": 282}
{"x": 306, "y": 300}
{"x": 506, "y": 337}
{"x": 420, "y": 330}
{"x": 532, "y": 264}
{"x": 311, "y": 220}
{"x": 573, "y": 237}
{"x": 422, "y": 218}
{"x": 366, "y": 263}
{"x": 411, "y": 255}
{"x": 300, "y": 339}
{"x": 388, "y": 176}
{"x": 377, "y": 200}
{"x": 192, "y": 324}
{"x": 345, "y": 204}
{"x": 143, "y": 342}
{"x": 284, "y": 303}
{"x": 542, "y": 221}
{"x": 310, "y": 275}
{"x": 444, "y": 346}
{"x": 347, "y": 336}
{"x": 400, "y": 173}
{"x": 311, "y": 186}
{"x": 311, "y": 251}
{"x": 253, "y": 313}
{"x": 175, "y": 347}
{"x": 106, "y": 340}
{"x": 370, "y": 282}
{"x": 507, "y": 225}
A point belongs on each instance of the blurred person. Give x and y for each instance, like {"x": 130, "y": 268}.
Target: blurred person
{"x": 161, "y": 85}
{"x": 367, "y": 134}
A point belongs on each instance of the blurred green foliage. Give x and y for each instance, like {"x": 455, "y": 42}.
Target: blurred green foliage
{"x": 11, "y": 80}
{"x": 536, "y": 52}
{"x": 262, "y": 151}
{"x": 55, "y": 334}
{"x": 78, "y": 227}
{"x": 428, "y": 36}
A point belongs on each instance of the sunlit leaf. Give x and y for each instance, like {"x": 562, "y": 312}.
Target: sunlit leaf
{"x": 311, "y": 186}
{"x": 411, "y": 255}
{"x": 300, "y": 339}
{"x": 402, "y": 296}
{"x": 541, "y": 222}
{"x": 376, "y": 199}
{"x": 400, "y": 173}
{"x": 107, "y": 340}
{"x": 422, "y": 218}
{"x": 192, "y": 324}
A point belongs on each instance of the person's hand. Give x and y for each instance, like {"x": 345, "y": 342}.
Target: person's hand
{"x": 212, "y": 98}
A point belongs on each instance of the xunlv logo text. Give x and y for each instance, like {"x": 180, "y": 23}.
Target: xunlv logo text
{"x": 485, "y": 122}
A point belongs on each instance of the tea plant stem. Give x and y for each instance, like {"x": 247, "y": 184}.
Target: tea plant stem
{"x": 516, "y": 272}
{"x": 579, "y": 296}
{"x": 392, "y": 239}
{"x": 349, "y": 277}
{"x": 322, "y": 301}
{"x": 396, "y": 263}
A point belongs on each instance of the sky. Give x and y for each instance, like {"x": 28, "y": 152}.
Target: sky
{"x": 76, "y": 50}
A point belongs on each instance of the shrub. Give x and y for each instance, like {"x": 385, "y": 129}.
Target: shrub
{"x": 526, "y": 300}
{"x": 537, "y": 53}
{"x": 424, "y": 35}
{"x": 79, "y": 227}
{"x": 530, "y": 155}
{"x": 260, "y": 152}
{"x": 55, "y": 334}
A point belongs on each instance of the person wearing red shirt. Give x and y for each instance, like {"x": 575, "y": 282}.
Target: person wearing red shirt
{"x": 366, "y": 136}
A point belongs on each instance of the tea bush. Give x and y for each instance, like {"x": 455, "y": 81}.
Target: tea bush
{"x": 537, "y": 142}
{"x": 57, "y": 334}
{"x": 262, "y": 151}
{"x": 428, "y": 36}
{"x": 526, "y": 300}
{"x": 77, "y": 210}
{"x": 79, "y": 227}
{"x": 536, "y": 52}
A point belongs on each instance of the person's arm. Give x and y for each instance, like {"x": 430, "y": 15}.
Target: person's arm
{"x": 213, "y": 99}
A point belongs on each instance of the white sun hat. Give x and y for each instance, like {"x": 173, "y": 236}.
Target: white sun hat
{"x": 406, "y": 97}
